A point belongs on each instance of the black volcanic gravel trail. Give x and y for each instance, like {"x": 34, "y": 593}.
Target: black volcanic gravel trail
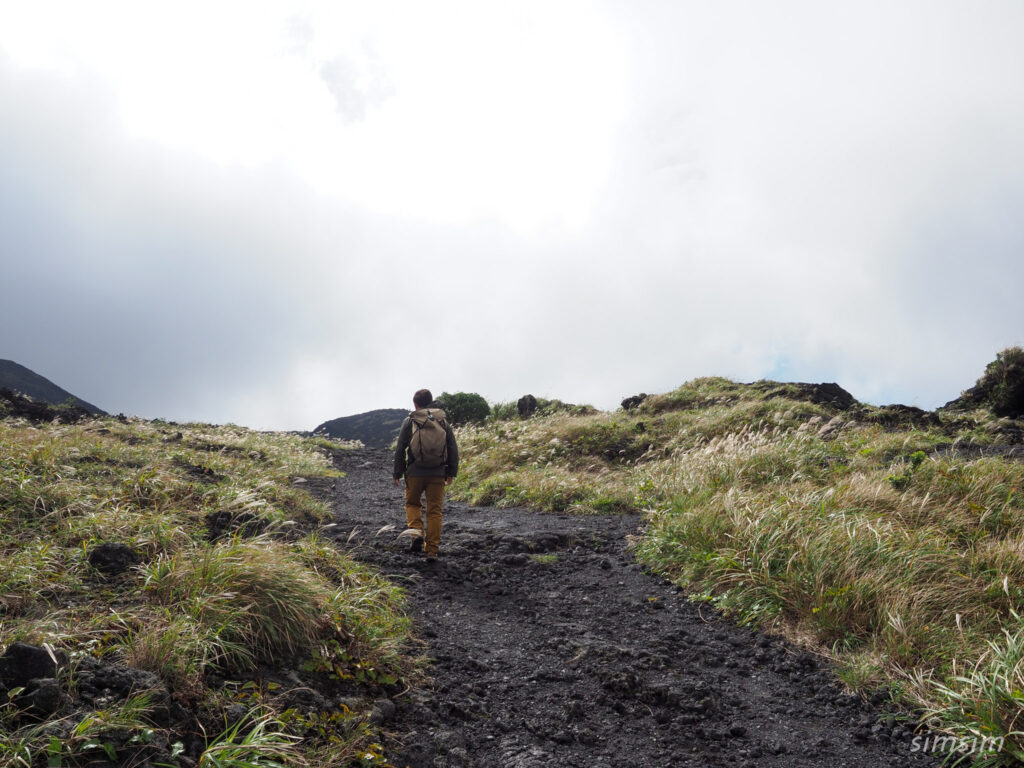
{"x": 580, "y": 658}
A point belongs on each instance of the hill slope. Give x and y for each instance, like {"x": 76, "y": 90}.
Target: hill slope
{"x": 890, "y": 535}
{"x": 21, "y": 379}
{"x": 376, "y": 429}
{"x": 161, "y": 583}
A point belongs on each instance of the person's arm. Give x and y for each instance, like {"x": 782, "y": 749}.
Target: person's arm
{"x": 452, "y": 466}
{"x": 404, "y": 435}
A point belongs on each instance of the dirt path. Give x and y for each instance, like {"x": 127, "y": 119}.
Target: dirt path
{"x": 552, "y": 647}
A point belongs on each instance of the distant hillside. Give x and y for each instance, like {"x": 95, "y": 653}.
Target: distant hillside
{"x": 375, "y": 428}
{"x": 21, "y": 379}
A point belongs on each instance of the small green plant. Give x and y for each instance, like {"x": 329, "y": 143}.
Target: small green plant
{"x": 65, "y": 742}
{"x": 259, "y": 743}
{"x": 901, "y": 481}
{"x": 985, "y": 703}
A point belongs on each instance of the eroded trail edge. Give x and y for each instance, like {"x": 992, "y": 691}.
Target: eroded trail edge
{"x": 552, "y": 646}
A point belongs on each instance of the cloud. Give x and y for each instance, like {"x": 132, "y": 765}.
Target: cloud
{"x": 318, "y": 213}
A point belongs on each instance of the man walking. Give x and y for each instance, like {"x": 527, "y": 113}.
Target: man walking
{"x": 426, "y": 455}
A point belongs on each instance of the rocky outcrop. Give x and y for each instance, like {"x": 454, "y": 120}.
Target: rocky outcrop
{"x": 375, "y": 429}
{"x": 828, "y": 393}
{"x": 526, "y": 406}
{"x": 633, "y": 401}
{"x": 18, "y": 378}
{"x": 899, "y": 416}
{"x": 16, "y": 405}
{"x": 113, "y": 558}
{"x": 1000, "y": 388}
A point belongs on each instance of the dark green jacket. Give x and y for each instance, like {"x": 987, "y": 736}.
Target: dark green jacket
{"x": 406, "y": 465}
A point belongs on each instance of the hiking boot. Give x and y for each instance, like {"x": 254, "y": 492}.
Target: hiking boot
{"x": 416, "y": 545}
{"x": 431, "y": 557}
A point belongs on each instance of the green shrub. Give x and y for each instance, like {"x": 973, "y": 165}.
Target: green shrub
{"x": 1003, "y": 383}
{"x": 1000, "y": 388}
{"x": 464, "y": 407}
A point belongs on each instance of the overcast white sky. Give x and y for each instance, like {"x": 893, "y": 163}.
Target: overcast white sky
{"x": 280, "y": 213}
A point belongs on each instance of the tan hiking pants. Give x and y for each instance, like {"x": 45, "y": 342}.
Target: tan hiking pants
{"x": 415, "y": 487}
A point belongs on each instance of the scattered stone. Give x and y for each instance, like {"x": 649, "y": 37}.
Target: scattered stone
{"x": 43, "y": 697}
{"x": 834, "y": 425}
{"x": 383, "y": 711}
{"x": 15, "y": 404}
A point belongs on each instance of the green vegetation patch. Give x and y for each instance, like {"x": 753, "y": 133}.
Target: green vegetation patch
{"x": 189, "y": 552}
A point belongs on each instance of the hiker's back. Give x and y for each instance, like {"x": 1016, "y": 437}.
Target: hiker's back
{"x": 428, "y": 445}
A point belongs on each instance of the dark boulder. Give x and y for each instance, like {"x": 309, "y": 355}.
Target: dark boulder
{"x": 22, "y": 662}
{"x": 632, "y": 402}
{"x": 197, "y": 472}
{"x": 113, "y": 558}
{"x": 527, "y": 406}
{"x": 225, "y": 524}
{"x": 828, "y": 393}
{"x": 899, "y": 416}
{"x": 383, "y": 711}
{"x": 43, "y": 697}
{"x": 96, "y": 679}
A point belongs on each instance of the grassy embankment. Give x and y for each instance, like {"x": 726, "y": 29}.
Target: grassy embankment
{"x": 869, "y": 539}
{"x": 203, "y": 615}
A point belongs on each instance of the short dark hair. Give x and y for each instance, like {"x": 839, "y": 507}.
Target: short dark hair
{"x": 422, "y": 398}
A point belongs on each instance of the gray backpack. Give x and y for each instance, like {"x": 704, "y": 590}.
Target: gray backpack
{"x": 429, "y": 442}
